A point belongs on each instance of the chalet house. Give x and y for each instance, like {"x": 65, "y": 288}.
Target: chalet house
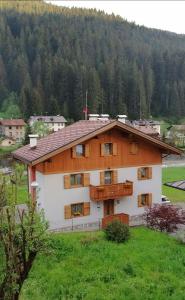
{"x": 13, "y": 129}
{"x": 94, "y": 171}
{"x": 54, "y": 123}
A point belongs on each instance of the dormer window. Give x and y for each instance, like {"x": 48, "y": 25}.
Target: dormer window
{"x": 80, "y": 150}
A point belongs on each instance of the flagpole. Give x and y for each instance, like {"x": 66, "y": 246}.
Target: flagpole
{"x": 86, "y": 105}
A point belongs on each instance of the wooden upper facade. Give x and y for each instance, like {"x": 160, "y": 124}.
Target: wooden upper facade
{"x": 126, "y": 152}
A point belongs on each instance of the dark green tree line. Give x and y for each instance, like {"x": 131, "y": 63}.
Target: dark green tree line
{"x": 50, "y": 56}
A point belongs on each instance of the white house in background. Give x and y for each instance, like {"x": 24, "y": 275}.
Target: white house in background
{"x": 94, "y": 171}
{"x": 54, "y": 123}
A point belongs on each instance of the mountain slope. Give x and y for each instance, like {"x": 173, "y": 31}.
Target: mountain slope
{"x": 50, "y": 56}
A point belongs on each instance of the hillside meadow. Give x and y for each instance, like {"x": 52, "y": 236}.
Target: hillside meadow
{"x": 151, "y": 265}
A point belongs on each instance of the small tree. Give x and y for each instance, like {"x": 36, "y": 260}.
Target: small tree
{"x": 164, "y": 217}
{"x": 22, "y": 236}
{"x": 40, "y": 128}
{"x": 117, "y": 232}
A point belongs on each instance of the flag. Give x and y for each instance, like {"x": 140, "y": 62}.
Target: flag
{"x": 85, "y": 110}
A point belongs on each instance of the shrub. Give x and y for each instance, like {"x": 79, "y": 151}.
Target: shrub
{"x": 117, "y": 232}
{"x": 164, "y": 217}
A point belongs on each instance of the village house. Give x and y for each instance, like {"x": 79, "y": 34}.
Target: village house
{"x": 54, "y": 123}
{"x": 176, "y": 135}
{"x": 94, "y": 171}
{"x": 14, "y": 129}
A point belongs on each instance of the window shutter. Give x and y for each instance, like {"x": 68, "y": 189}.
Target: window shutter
{"x": 133, "y": 148}
{"x": 139, "y": 201}
{"x": 102, "y": 178}
{"x": 115, "y": 149}
{"x": 86, "y": 208}
{"x": 67, "y": 183}
{"x": 67, "y": 211}
{"x": 150, "y": 173}
{"x": 149, "y": 200}
{"x": 87, "y": 150}
{"x": 86, "y": 179}
{"x": 115, "y": 176}
{"x": 102, "y": 150}
{"x": 139, "y": 173}
{"x": 73, "y": 152}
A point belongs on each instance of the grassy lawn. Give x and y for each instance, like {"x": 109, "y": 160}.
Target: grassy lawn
{"x": 173, "y": 174}
{"x": 151, "y": 265}
{"x": 9, "y": 149}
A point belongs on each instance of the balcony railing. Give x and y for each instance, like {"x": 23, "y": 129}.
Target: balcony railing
{"x": 123, "y": 218}
{"x": 111, "y": 191}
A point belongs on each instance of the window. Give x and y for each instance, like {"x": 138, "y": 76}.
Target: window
{"x": 80, "y": 150}
{"x": 108, "y": 149}
{"x": 144, "y": 200}
{"x": 77, "y": 209}
{"x": 10, "y": 127}
{"x": 144, "y": 173}
{"x": 108, "y": 177}
{"x": 76, "y": 179}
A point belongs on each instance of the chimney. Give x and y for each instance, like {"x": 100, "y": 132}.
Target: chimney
{"x": 121, "y": 118}
{"x": 33, "y": 140}
{"x": 93, "y": 117}
{"x": 104, "y": 117}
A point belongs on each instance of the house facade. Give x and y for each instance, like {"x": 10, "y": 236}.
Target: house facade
{"x": 92, "y": 171}
{"x": 13, "y": 129}
{"x": 54, "y": 123}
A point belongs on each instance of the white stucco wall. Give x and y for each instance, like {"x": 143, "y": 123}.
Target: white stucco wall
{"x": 53, "y": 197}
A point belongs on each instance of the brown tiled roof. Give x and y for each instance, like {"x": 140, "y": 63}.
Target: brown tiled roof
{"x": 80, "y": 132}
{"x": 58, "y": 139}
{"x": 12, "y": 122}
{"x": 147, "y": 129}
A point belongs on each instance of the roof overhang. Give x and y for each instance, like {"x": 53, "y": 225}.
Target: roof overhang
{"x": 164, "y": 147}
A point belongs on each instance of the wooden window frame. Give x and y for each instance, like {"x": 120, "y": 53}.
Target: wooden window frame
{"x": 148, "y": 173}
{"x": 76, "y": 184}
{"x": 86, "y": 151}
{"x": 114, "y": 177}
{"x": 85, "y": 180}
{"x": 68, "y": 210}
{"x": 148, "y": 200}
{"x": 114, "y": 150}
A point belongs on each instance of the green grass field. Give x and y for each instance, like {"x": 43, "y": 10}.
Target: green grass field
{"x": 173, "y": 174}
{"x": 151, "y": 265}
{"x": 9, "y": 149}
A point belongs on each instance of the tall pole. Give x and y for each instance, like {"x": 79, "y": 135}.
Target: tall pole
{"x": 86, "y": 105}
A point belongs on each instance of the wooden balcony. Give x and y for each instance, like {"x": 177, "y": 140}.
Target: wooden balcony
{"x": 111, "y": 191}
{"x": 123, "y": 218}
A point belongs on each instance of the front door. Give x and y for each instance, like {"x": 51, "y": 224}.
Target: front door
{"x": 108, "y": 207}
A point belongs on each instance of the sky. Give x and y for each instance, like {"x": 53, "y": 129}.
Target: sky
{"x": 165, "y": 15}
